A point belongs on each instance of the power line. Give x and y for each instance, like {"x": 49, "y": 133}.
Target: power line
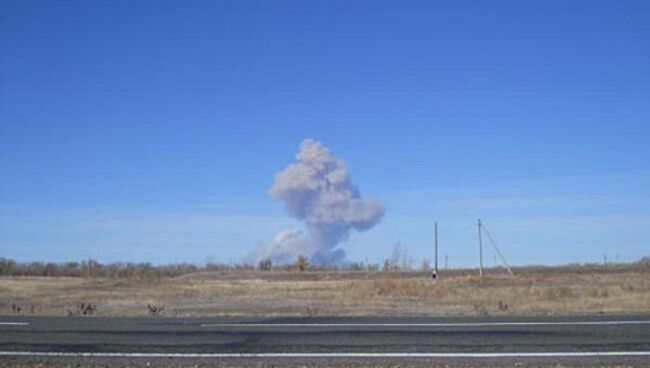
{"x": 494, "y": 245}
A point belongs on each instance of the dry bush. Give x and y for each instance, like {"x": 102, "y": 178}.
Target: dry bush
{"x": 311, "y": 311}
{"x": 302, "y": 264}
{"x": 481, "y": 309}
{"x": 265, "y": 265}
{"x": 83, "y": 309}
{"x": 503, "y": 306}
{"x": 155, "y": 310}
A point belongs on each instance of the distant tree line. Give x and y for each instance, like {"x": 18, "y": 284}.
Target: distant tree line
{"x": 92, "y": 268}
{"x": 399, "y": 260}
{"x": 145, "y": 270}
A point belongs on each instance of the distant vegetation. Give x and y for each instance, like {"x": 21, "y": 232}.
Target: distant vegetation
{"x": 92, "y": 268}
{"x": 398, "y": 261}
{"x": 145, "y": 270}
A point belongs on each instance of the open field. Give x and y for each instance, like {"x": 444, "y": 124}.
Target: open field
{"x": 534, "y": 291}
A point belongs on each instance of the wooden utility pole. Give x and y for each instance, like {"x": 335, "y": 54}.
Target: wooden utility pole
{"x": 480, "y": 248}
{"x": 435, "y": 267}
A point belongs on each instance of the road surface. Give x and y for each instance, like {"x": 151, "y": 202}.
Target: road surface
{"x": 484, "y": 340}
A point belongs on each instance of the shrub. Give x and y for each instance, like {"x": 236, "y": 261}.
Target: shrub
{"x": 83, "y": 309}
{"x": 481, "y": 309}
{"x": 155, "y": 310}
{"x": 302, "y": 264}
{"x": 311, "y": 311}
{"x": 265, "y": 265}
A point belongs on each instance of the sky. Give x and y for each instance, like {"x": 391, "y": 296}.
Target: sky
{"x": 151, "y": 130}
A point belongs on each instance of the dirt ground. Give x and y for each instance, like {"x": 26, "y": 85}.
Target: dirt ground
{"x": 533, "y": 291}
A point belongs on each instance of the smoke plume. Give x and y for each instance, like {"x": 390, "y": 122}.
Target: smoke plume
{"x": 317, "y": 190}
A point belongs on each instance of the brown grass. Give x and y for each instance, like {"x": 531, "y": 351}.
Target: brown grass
{"x": 534, "y": 291}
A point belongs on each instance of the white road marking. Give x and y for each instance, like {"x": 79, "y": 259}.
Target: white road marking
{"x": 581, "y": 354}
{"x": 14, "y": 323}
{"x": 478, "y": 324}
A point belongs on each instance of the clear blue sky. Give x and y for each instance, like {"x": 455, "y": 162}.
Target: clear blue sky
{"x": 151, "y": 130}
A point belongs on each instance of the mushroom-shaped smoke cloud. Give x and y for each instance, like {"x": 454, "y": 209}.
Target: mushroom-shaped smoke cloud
{"x": 318, "y": 190}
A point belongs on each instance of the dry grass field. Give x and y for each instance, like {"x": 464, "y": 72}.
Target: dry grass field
{"x": 533, "y": 291}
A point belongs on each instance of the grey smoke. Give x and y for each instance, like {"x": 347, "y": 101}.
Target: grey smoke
{"x": 317, "y": 190}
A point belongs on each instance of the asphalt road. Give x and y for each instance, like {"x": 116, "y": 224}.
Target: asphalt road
{"x": 586, "y": 339}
